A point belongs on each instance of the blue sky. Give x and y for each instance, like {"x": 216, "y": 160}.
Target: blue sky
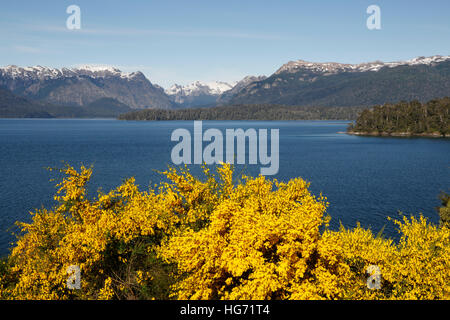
{"x": 183, "y": 41}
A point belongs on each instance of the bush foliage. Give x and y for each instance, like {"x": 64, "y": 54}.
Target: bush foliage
{"x": 213, "y": 238}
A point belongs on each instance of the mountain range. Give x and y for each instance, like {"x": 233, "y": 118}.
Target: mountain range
{"x": 83, "y": 85}
{"x": 336, "y": 84}
{"x": 107, "y": 91}
{"x": 208, "y": 94}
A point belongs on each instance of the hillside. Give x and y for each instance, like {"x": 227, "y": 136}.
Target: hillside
{"x": 83, "y": 85}
{"x": 334, "y": 84}
{"x": 14, "y": 106}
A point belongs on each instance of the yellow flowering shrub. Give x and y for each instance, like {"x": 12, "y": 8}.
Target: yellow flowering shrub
{"x": 261, "y": 241}
{"x": 417, "y": 267}
{"x": 111, "y": 239}
{"x": 213, "y": 238}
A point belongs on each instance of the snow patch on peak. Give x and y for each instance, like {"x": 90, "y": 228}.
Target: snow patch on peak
{"x": 35, "y": 72}
{"x": 96, "y": 68}
{"x": 100, "y": 71}
{"x": 428, "y": 60}
{"x": 334, "y": 67}
{"x": 39, "y": 72}
{"x": 200, "y": 88}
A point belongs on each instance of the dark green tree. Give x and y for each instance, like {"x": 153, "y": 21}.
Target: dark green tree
{"x": 444, "y": 210}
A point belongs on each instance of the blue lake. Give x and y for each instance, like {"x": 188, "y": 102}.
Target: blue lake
{"x": 365, "y": 179}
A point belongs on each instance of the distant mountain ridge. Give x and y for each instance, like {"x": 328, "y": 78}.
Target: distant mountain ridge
{"x": 226, "y": 96}
{"x": 107, "y": 91}
{"x": 336, "y": 84}
{"x": 213, "y": 93}
{"x": 81, "y": 86}
{"x": 334, "y": 67}
{"x": 14, "y": 106}
{"x": 198, "y": 93}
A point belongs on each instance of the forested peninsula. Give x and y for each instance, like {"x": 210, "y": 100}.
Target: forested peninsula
{"x": 408, "y": 119}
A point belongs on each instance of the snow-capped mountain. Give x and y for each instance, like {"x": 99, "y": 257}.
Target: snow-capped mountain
{"x": 338, "y": 84}
{"x": 39, "y": 72}
{"x": 82, "y": 85}
{"x": 226, "y": 96}
{"x": 198, "y": 87}
{"x": 333, "y": 67}
{"x": 198, "y": 93}
{"x": 294, "y": 83}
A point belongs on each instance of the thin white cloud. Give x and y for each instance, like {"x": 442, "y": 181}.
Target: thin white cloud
{"x": 27, "y": 49}
{"x": 157, "y": 32}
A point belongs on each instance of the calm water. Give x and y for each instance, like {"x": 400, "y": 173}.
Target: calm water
{"x": 365, "y": 179}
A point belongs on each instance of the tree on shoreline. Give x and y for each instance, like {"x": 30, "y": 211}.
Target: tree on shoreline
{"x": 246, "y": 112}
{"x": 412, "y": 118}
{"x": 444, "y": 211}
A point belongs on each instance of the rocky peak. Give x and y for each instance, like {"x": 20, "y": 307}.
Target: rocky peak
{"x": 334, "y": 67}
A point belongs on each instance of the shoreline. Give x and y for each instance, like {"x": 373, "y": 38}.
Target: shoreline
{"x": 397, "y": 134}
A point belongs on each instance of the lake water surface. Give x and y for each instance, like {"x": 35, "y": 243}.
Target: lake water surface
{"x": 365, "y": 179}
